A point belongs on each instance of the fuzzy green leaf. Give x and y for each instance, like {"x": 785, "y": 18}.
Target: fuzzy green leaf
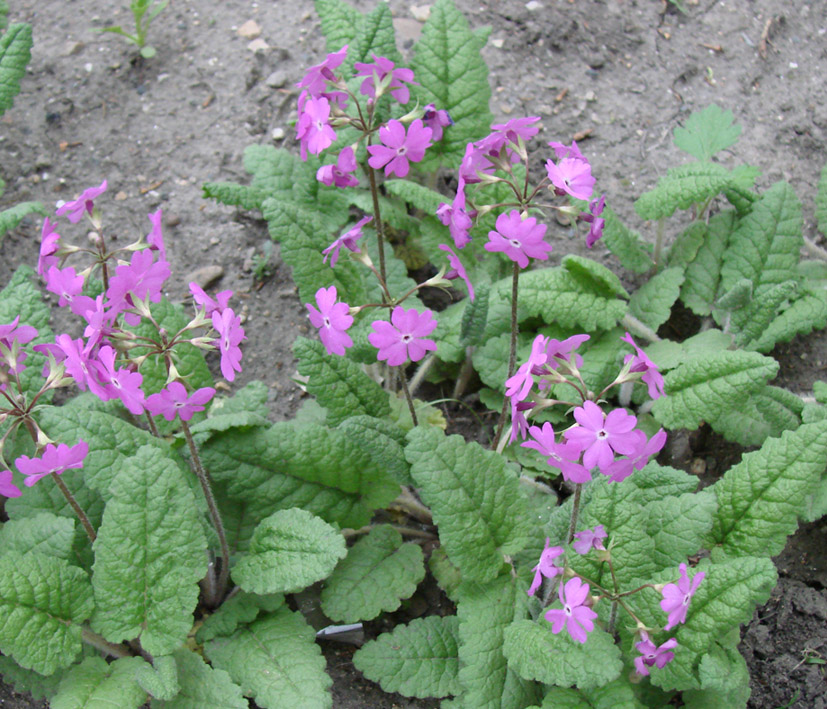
{"x": 160, "y": 679}
{"x": 233, "y": 194}
{"x": 767, "y": 412}
{"x": 339, "y": 384}
{"x": 4, "y": 11}
{"x": 276, "y": 661}
{"x": 374, "y": 35}
{"x": 652, "y": 302}
{"x": 242, "y": 608}
{"x": 707, "y": 132}
{"x": 535, "y": 653}
{"x": 703, "y": 273}
{"x": 15, "y": 52}
{"x": 630, "y": 249}
{"x": 383, "y": 441}
{"x": 202, "y": 686}
{"x": 453, "y": 76}
{"x": 682, "y": 187}
{"x": 821, "y": 201}
{"x": 658, "y": 481}
{"x": 807, "y": 313}
{"x": 10, "y": 218}
{"x": 759, "y": 499}
{"x": 289, "y": 550}
{"x": 594, "y": 276}
{"x": 29, "y": 681}
{"x": 484, "y": 612}
{"x": 340, "y": 22}
{"x": 753, "y": 320}
{"x": 418, "y": 196}
{"x": 475, "y": 318}
{"x": 687, "y": 244}
{"x": 475, "y": 499}
{"x": 614, "y": 695}
{"x": 43, "y": 601}
{"x": 44, "y": 533}
{"x": 701, "y": 389}
{"x": 378, "y": 572}
{"x": 765, "y": 245}
{"x": 724, "y": 679}
{"x": 149, "y": 557}
{"x": 678, "y": 525}
{"x": 94, "y": 684}
{"x": 417, "y": 660}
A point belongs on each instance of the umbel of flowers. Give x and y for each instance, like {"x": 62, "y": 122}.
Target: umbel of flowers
{"x": 107, "y": 359}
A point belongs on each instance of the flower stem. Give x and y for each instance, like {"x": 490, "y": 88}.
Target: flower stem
{"x": 405, "y": 531}
{"x": 98, "y": 642}
{"x": 408, "y": 503}
{"x": 377, "y": 219}
{"x": 659, "y": 237}
{"x": 408, "y": 396}
{"x": 221, "y": 585}
{"x": 575, "y": 510}
{"x": 512, "y": 358}
{"x": 152, "y": 427}
{"x": 70, "y": 498}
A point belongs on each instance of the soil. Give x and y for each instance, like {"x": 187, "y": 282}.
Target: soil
{"x": 628, "y": 71}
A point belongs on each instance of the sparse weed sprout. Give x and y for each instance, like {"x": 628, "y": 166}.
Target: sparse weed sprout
{"x": 143, "y": 12}
{"x": 583, "y": 571}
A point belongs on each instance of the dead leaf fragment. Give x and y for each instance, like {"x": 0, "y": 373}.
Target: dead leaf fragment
{"x": 153, "y": 186}
{"x": 582, "y": 134}
{"x": 559, "y": 97}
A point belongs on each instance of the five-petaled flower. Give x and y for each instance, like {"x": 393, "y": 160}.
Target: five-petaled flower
{"x": 85, "y": 203}
{"x": 404, "y": 337}
{"x": 54, "y": 459}
{"x": 651, "y": 654}
{"x": 230, "y": 336}
{"x": 590, "y": 539}
{"x": 571, "y": 176}
{"x": 399, "y": 148}
{"x": 173, "y": 401}
{"x": 676, "y": 597}
{"x": 339, "y": 174}
{"x": 518, "y": 238}
{"x": 564, "y": 456}
{"x": 546, "y": 568}
{"x": 575, "y": 616}
{"x": 380, "y": 69}
{"x": 313, "y": 129}
{"x": 601, "y": 436}
{"x": 332, "y": 319}
{"x": 348, "y": 240}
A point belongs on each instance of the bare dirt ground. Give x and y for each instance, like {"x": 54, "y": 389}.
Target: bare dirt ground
{"x": 627, "y": 70}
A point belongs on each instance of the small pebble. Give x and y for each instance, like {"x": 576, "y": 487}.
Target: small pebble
{"x": 421, "y": 12}
{"x": 172, "y": 220}
{"x": 72, "y": 48}
{"x": 533, "y": 5}
{"x": 258, "y": 45}
{"x": 277, "y": 134}
{"x": 205, "y": 276}
{"x": 249, "y": 30}
{"x": 498, "y": 43}
{"x": 276, "y": 80}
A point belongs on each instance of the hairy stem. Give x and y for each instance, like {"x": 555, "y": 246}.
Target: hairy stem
{"x": 404, "y": 531}
{"x": 631, "y": 323}
{"x": 659, "y": 236}
{"x": 70, "y": 498}
{"x": 152, "y": 427}
{"x": 512, "y": 357}
{"x": 575, "y": 511}
{"x": 408, "y": 397}
{"x": 377, "y": 219}
{"x": 221, "y": 584}
{"x": 814, "y": 249}
{"x": 421, "y": 371}
{"x": 98, "y": 642}
{"x": 408, "y": 503}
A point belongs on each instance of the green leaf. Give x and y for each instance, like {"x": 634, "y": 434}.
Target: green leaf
{"x": 724, "y": 680}
{"x": 707, "y": 132}
{"x": 807, "y": 313}
{"x": 149, "y": 557}
{"x": 383, "y": 441}
{"x": 759, "y": 499}
{"x": 378, "y": 572}
{"x": 418, "y": 196}
{"x": 655, "y": 482}
{"x": 652, "y": 302}
{"x": 29, "y": 681}
{"x": 202, "y": 686}
{"x": 276, "y": 661}
{"x": 821, "y": 201}
{"x": 701, "y": 389}
{"x": 375, "y": 35}
{"x": 160, "y": 679}
{"x": 4, "y": 11}
{"x": 765, "y": 245}
{"x": 10, "y": 218}
{"x": 682, "y": 187}
{"x": 687, "y": 245}
{"x": 594, "y": 276}
{"x": 617, "y": 694}
{"x": 474, "y": 318}
{"x": 679, "y": 525}
{"x": 475, "y": 499}
{"x": 339, "y": 384}
{"x": 556, "y": 296}
{"x": 534, "y": 652}
{"x": 340, "y": 22}
{"x": 94, "y": 684}
{"x": 289, "y": 550}
{"x": 453, "y": 76}
{"x": 484, "y": 612}
{"x": 766, "y": 413}
{"x": 15, "y": 52}
{"x": 241, "y": 608}
{"x": 44, "y": 533}
{"x": 43, "y": 602}
{"x": 417, "y": 660}
{"x": 703, "y": 273}
{"x": 233, "y": 194}
{"x": 633, "y": 253}
{"x": 756, "y": 317}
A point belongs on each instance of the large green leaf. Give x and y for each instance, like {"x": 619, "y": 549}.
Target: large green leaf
{"x": 475, "y": 499}
{"x": 417, "y": 660}
{"x": 43, "y": 602}
{"x": 94, "y": 684}
{"x": 801, "y": 317}
{"x": 276, "y": 661}
{"x": 340, "y": 22}
{"x": 202, "y": 686}
{"x": 652, "y": 302}
{"x": 149, "y": 555}
{"x": 240, "y": 608}
{"x": 679, "y": 525}
{"x": 769, "y": 411}
{"x": 378, "y": 572}
{"x": 633, "y": 253}
{"x": 682, "y": 187}
{"x": 10, "y": 218}
{"x": 707, "y": 132}
{"x": 374, "y": 35}
{"x": 703, "y": 273}
{"x": 44, "y": 533}
{"x": 15, "y": 52}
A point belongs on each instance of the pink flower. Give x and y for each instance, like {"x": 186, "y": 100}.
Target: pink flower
{"x": 403, "y": 338}
{"x": 639, "y": 362}
{"x": 7, "y": 486}
{"x": 518, "y": 238}
{"x": 519, "y": 384}
{"x": 67, "y": 285}
{"x": 578, "y": 619}
{"x": 436, "y": 121}
{"x": 313, "y": 129}
{"x": 348, "y": 240}
{"x": 519, "y": 423}
{"x": 566, "y": 151}
{"x": 55, "y": 459}
{"x": 624, "y": 467}
{"x": 455, "y": 217}
{"x": 676, "y": 597}
{"x": 12, "y": 356}
{"x": 316, "y": 78}
{"x": 398, "y": 149}
{"x": 85, "y": 203}
{"x": 590, "y": 539}
{"x": 210, "y": 306}
{"x": 338, "y": 174}
{"x": 381, "y": 67}
{"x": 457, "y": 269}
{"x": 155, "y": 238}
{"x": 49, "y": 242}
{"x": 79, "y": 363}
{"x": 602, "y": 436}
{"x": 652, "y": 654}
{"x": 332, "y": 319}
{"x": 100, "y": 322}
{"x": 473, "y": 163}
{"x": 230, "y": 334}
{"x": 546, "y": 568}
{"x": 593, "y": 218}
{"x": 560, "y": 352}
{"x": 121, "y": 383}
{"x": 572, "y": 176}
{"x": 143, "y": 279}
{"x": 173, "y": 401}
{"x": 564, "y": 456}
{"x": 518, "y": 127}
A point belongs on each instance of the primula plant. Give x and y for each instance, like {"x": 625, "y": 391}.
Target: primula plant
{"x": 158, "y": 533}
